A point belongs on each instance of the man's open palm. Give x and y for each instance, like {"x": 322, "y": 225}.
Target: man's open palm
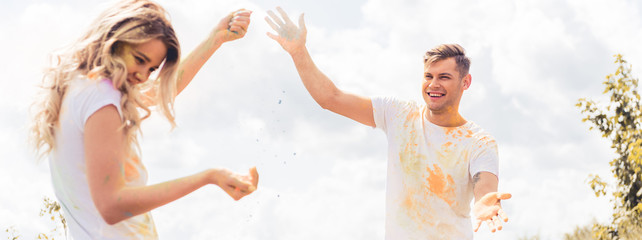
{"x": 489, "y": 209}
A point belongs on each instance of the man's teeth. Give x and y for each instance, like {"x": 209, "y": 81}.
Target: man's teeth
{"x": 436, "y": 94}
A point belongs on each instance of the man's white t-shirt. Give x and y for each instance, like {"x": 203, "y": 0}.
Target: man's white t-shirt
{"x": 68, "y": 168}
{"x": 430, "y": 168}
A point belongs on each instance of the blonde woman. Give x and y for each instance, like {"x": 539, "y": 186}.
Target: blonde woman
{"x": 89, "y": 117}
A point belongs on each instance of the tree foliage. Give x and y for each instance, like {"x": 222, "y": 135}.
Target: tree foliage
{"x": 620, "y": 121}
{"x": 52, "y": 210}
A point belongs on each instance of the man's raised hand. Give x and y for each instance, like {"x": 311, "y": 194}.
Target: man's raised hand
{"x": 289, "y": 36}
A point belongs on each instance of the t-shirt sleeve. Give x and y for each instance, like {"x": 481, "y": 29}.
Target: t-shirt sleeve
{"x": 96, "y": 96}
{"x": 382, "y": 111}
{"x": 485, "y": 157}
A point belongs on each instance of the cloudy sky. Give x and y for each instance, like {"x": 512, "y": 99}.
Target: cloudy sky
{"x": 323, "y": 176}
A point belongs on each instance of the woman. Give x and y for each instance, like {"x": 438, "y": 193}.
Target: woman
{"x": 88, "y": 119}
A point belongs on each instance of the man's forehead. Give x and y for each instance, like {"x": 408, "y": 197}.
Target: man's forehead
{"x": 442, "y": 66}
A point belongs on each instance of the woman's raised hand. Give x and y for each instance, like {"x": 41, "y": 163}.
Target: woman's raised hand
{"x": 233, "y": 26}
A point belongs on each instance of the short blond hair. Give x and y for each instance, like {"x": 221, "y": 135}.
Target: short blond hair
{"x": 445, "y": 51}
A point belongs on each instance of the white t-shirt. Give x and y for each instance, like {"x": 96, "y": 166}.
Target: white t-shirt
{"x": 68, "y": 167}
{"x": 430, "y": 168}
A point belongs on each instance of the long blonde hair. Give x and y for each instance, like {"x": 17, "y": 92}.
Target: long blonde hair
{"x": 95, "y": 56}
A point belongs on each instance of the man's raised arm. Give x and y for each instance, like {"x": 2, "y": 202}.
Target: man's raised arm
{"x": 320, "y": 87}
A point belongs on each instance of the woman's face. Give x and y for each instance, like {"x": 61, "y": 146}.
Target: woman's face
{"x": 142, "y": 59}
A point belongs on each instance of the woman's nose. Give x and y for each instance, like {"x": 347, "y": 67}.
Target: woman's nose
{"x": 142, "y": 75}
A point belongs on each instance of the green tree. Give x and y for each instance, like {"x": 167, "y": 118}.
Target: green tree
{"x": 619, "y": 120}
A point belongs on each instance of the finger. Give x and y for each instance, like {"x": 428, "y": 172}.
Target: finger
{"x": 285, "y": 16}
{"x": 243, "y": 12}
{"x": 236, "y": 182}
{"x": 272, "y": 36}
{"x": 497, "y": 222}
{"x": 491, "y": 225}
{"x": 272, "y": 24}
{"x": 255, "y": 176}
{"x": 236, "y": 195}
{"x": 230, "y": 190}
{"x": 240, "y": 24}
{"x": 504, "y": 196}
{"x": 275, "y": 18}
{"x": 477, "y": 225}
{"x": 233, "y": 189}
{"x": 502, "y": 215}
{"x": 241, "y": 19}
{"x": 238, "y": 29}
{"x": 236, "y": 33}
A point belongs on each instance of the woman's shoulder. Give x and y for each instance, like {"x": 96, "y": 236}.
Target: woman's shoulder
{"x": 84, "y": 87}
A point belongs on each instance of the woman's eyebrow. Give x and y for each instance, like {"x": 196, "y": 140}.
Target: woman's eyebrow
{"x": 142, "y": 55}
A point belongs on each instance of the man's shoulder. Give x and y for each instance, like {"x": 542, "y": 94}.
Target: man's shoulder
{"x": 478, "y": 134}
{"x": 395, "y": 102}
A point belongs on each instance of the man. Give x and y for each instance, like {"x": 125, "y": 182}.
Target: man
{"x": 437, "y": 159}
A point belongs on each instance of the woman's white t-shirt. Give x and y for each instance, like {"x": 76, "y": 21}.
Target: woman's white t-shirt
{"x": 68, "y": 168}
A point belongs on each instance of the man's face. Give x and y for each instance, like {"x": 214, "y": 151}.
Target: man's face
{"x": 443, "y": 87}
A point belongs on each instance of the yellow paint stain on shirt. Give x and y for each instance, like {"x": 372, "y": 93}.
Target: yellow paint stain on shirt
{"x": 410, "y": 159}
{"x": 143, "y": 227}
{"x": 409, "y": 155}
{"x": 441, "y": 185}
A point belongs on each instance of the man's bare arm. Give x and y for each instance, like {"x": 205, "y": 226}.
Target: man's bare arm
{"x": 320, "y": 87}
{"x": 488, "y": 206}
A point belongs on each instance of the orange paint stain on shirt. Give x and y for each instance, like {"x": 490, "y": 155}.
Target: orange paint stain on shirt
{"x": 408, "y": 201}
{"x": 412, "y": 116}
{"x": 449, "y": 131}
{"x": 415, "y": 207}
{"x": 440, "y": 185}
{"x": 469, "y": 134}
{"x": 131, "y": 169}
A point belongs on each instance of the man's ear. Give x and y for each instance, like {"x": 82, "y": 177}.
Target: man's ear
{"x": 467, "y": 81}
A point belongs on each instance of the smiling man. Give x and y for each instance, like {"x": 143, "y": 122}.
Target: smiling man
{"x": 437, "y": 160}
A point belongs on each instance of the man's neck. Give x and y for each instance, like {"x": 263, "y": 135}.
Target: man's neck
{"x": 444, "y": 119}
